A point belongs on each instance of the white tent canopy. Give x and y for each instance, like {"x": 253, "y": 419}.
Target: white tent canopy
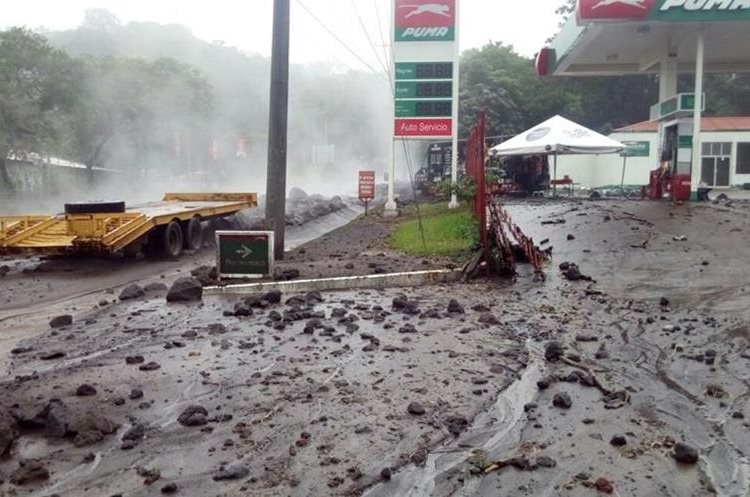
{"x": 559, "y": 136}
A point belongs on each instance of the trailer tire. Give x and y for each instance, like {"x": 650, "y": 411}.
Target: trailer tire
{"x": 95, "y": 208}
{"x": 171, "y": 240}
{"x": 193, "y": 234}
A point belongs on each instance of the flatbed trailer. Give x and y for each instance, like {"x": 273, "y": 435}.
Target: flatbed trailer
{"x": 157, "y": 228}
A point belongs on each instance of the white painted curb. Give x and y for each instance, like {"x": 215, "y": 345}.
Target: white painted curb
{"x": 393, "y": 280}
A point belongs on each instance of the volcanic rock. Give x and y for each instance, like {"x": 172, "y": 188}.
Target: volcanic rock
{"x": 131, "y": 292}
{"x": 272, "y": 297}
{"x": 29, "y": 471}
{"x": 562, "y": 400}
{"x": 59, "y": 418}
{"x": 60, "y": 321}
{"x": 455, "y": 308}
{"x": 287, "y": 275}
{"x": 685, "y": 454}
{"x": 206, "y": 275}
{"x": 416, "y": 409}
{"x": 185, "y": 290}
{"x": 618, "y": 441}
{"x": 86, "y": 438}
{"x": 193, "y": 416}
{"x": 85, "y": 390}
{"x": 234, "y": 472}
{"x": 603, "y": 485}
{"x": 553, "y": 351}
{"x": 137, "y": 432}
{"x": 169, "y": 488}
{"x": 456, "y": 424}
{"x": 8, "y": 430}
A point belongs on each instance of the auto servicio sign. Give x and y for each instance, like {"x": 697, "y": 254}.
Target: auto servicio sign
{"x": 664, "y": 10}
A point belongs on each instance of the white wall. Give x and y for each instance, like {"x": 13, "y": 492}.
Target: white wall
{"x": 601, "y": 170}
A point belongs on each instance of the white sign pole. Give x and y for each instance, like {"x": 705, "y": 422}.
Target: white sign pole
{"x": 454, "y": 155}
{"x": 391, "y": 210}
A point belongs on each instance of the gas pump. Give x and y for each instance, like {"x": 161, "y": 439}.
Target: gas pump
{"x": 672, "y": 178}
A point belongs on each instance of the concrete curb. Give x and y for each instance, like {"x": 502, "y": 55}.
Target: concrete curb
{"x": 393, "y": 280}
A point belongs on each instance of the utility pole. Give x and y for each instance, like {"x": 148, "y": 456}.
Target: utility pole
{"x": 277, "y": 127}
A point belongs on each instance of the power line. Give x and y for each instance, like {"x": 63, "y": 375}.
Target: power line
{"x": 339, "y": 40}
{"x": 383, "y": 43}
{"x": 367, "y": 35}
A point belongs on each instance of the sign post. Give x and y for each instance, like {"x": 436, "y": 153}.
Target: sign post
{"x": 425, "y": 69}
{"x": 366, "y": 187}
{"x": 244, "y": 254}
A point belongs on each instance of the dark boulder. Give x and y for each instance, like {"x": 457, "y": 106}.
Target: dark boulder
{"x": 9, "y": 431}
{"x": 185, "y": 290}
{"x": 132, "y": 292}
{"x": 61, "y": 321}
{"x": 206, "y": 275}
{"x": 685, "y": 454}
{"x": 193, "y": 416}
{"x": 236, "y": 472}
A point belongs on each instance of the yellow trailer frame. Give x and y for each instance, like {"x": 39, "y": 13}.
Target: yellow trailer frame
{"x": 109, "y": 233}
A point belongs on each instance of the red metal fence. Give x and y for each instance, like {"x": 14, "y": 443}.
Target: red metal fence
{"x": 507, "y": 235}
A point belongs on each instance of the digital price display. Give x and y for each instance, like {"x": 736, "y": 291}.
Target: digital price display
{"x": 434, "y": 109}
{"x": 424, "y": 108}
{"x": 442, "y": 70}
{"x": 434, "y": 90}
{"x": 424, "y": 70}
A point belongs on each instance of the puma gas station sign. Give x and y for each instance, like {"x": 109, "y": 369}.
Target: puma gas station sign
{"x": 425, "y": 20}
{"x": 425, "y": 68}
{"x": 663, "y": 10}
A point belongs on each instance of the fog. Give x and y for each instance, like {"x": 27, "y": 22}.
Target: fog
{"x": 157, "y": 110}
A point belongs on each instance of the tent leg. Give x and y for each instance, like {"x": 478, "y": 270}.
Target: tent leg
{"x": 622, "y": 182}
{"x": 554, "y": 179}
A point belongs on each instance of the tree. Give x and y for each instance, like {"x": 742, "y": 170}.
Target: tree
{"x": 36, "y": 87}
{"x": 136, "y": 106}
{"x": 497, "y": 79}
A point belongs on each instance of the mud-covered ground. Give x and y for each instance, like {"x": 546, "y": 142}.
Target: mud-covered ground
{"x": 334, "y": 395}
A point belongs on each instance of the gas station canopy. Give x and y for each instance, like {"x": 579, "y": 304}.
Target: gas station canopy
{"x": 618, "y": 37}
{"x": 664, "y": 37}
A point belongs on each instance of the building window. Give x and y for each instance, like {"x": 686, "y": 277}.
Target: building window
{"x": 715, "y": 163}
{"x": 743, "y": 158}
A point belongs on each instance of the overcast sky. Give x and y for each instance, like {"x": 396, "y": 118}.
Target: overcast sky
{"x": 525, "y": 24}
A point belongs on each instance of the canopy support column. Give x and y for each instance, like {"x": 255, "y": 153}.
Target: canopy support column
{"x": 697, "y": 114}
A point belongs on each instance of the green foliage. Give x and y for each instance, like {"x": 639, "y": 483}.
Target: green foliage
{"x": 35, "y": 89}
{"x": 495, "y": 78}
{"x": 465, "y": 189}
{"x": 451, "y": 233}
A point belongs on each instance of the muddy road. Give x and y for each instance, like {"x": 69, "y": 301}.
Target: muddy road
{"x": 636, "y": 384}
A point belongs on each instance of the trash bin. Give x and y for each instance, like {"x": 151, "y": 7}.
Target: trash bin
{"x": 681, "y": 187}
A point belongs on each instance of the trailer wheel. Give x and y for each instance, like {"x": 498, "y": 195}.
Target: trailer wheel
{"x": 193, "y": 231}
{"x": 171, "y": 241}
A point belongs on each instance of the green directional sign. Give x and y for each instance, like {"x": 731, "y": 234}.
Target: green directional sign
{"x": 424, "y": 108}
{"x": 637, "y": 149}
{"x": 244, "y": 254}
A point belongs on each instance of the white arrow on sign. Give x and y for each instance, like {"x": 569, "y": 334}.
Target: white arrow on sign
{"x": 244, "y": 251}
